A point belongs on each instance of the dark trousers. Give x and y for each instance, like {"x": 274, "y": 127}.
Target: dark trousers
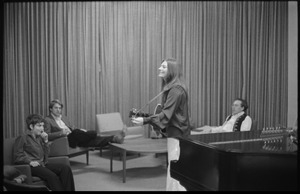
{"x": 87, "y": 139}
{"x": 59, "y": 177}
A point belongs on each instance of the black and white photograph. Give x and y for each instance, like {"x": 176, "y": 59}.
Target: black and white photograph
{"x": 149, "y": 95}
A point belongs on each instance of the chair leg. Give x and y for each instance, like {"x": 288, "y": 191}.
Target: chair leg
{"x": 87, "y": 157}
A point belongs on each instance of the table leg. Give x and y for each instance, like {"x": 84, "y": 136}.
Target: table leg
{"x": 124, "y": 165}
{"x": 167, "y": 159}
{"x": 111, "y": 159}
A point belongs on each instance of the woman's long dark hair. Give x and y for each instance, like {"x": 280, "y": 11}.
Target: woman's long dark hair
{"x": 173, "y": 77}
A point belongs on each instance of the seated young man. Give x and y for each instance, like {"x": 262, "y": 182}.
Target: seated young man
{"x": 237, "y": 121}
{"x": 58, "y": 126}
{"x": 33, "y": 148}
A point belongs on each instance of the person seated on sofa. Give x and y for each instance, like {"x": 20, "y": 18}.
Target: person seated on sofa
{"x": 58, "y": 126}
{"x": 237, "y": 121}
{"x": 33, "y": 148}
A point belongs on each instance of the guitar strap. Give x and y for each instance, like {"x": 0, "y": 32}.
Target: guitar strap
{"x": 152, "y": 99}
{"x": 149, "y": 102}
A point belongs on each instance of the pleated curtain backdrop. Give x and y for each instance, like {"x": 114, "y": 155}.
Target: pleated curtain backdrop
{"x": 100, "y": 57}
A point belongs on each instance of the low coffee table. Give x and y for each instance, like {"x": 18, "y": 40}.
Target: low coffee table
{"x": 138, "y": 145}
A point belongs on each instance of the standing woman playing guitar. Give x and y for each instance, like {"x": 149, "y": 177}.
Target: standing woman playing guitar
{"x": 174, "y": 116}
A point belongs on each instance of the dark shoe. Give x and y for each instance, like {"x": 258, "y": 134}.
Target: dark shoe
{"x": 119, "y": 138}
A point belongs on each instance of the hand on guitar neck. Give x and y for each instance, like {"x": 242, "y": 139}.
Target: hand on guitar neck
{"x": 137, "y": 118}
{"x": 134, "y": 113}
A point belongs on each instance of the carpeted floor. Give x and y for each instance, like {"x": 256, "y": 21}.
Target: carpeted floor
{"x": 146, "y": 172}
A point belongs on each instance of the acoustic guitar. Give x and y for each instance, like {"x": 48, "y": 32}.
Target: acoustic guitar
{"x": 156, "y": 131}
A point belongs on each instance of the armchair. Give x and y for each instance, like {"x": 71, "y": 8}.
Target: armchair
{"x": 112, "y": 123}
{"x": 25, "y": 168}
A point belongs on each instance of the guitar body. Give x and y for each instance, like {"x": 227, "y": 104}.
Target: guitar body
{"x": 156, "y": 131}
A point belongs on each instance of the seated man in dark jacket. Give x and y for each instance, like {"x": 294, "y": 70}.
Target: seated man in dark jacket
{"x": 59, "y": 126}
{"x": 33, "y": 148}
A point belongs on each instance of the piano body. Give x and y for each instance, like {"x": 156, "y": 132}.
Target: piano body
{"x": 237, "y": 161}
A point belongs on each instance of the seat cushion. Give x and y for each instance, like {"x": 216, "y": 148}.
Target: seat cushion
{"x": 38, "y": 181}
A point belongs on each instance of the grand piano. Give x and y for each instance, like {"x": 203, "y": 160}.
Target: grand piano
{"x": 237, "y": 161}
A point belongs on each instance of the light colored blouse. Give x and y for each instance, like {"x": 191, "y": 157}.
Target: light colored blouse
{"x": 228, "y": 125}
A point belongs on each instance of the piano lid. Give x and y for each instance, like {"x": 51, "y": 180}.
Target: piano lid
{"x": 248, "y": 142}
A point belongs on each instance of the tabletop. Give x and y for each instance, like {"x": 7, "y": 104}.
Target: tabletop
{"x": 145, "y": 145}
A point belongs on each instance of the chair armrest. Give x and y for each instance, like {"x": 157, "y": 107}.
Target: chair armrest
{"x": 134, "y": 130}
{"x": 12, "y": 186}
{"x": 26, "y": 170}
{"x": 59, "y": 159}
{"x": 59, "y": 147}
